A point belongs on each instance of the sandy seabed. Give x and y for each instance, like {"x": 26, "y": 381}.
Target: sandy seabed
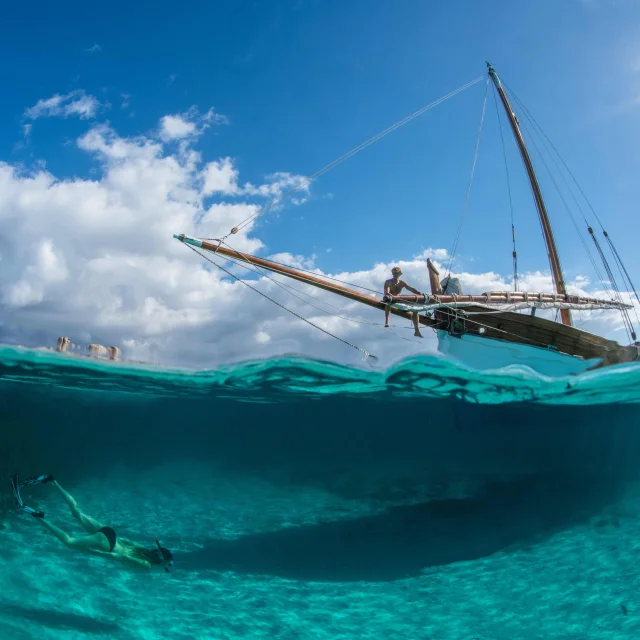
{"x": 254, "y": 560}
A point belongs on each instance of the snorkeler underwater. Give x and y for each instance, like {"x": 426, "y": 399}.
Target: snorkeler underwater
{"x": 99, "y": 539}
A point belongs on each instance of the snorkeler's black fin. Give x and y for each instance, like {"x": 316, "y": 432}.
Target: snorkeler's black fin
{"x": 15, "y": 485}
{"x": 37, "y": 480}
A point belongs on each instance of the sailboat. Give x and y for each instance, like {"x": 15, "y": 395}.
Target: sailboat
{"x": 495, "y": 329}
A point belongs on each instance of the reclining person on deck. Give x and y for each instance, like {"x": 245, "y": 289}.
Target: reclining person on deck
{"x": 393, "y": 287}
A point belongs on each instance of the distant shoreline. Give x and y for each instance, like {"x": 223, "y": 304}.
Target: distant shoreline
{"x": 82, "y": 355}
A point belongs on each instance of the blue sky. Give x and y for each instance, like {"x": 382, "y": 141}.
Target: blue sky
{"x": 304, "y": 81}
{"x": 301, "y": 82}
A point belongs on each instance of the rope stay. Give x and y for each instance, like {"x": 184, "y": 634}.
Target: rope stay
{"x": 297, "y": 268}
{"x": 455, "y": 313}
{"x": 349, "y": 154}
{"x": 547, "y": 142}
{"x": 506, "y": 167}
{"x": 598, "y": 315}
{"x": 366, "y": 354}
{"x": 617, "y": 293}
{"x": 566, "y": 205}
{"x": 584, "y": 195}
{"x": 621, "y": 265}
{"x": 625, "y": 280}
{"x": 263, "y": 273}
{"x": 614, "y": 284}
{"x": 287, "y": 287}
{"x": 473, "y": 169}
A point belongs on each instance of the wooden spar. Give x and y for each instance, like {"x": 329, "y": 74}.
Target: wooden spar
{"x": 506, "y": 297}
{"x": 485, "y": 298}
{"x": 434, "y": 278}
{"x": 300, "y": 276}
{"x": 554, "y": 258}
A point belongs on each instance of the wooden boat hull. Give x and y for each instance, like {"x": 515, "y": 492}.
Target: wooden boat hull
{"x": 487, "y": 353}
{"x": 497, "y": 340}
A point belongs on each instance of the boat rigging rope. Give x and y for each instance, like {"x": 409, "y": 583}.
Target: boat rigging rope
{"x": 309, "y": 271}
{"x": 506, "y": 167}
{"x": 307, "y": 181}
{"x": 264, "y": 295}
{"x": 564, "y": 202}
{"x": 547, "y": 142}
{"x": 623, "y": 271}
{"x": 246, "y": 259}
{"x": 584, "y": 195}
{"x": 595, "y": 317}
{"x": 456, "y": 313}
{"x": 287, "y": 287}
{"x": 473, "y": 169}
{"x": 617, "y": 293}
{"x": 614, "y": 284}
{"x": 620, "y": 264}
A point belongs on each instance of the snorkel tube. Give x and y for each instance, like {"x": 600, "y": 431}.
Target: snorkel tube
{"x": 163, "y": 553}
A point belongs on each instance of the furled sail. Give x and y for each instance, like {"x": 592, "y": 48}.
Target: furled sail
{"x": 506, "y": 306}
{"x": 501, "y": 301}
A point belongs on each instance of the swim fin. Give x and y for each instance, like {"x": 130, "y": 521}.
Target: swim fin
{"x": 36, "y": 480}
{"x": 15, "y": 485}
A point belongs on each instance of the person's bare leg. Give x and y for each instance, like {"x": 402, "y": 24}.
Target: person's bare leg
{"x": 97, "y": 542}
{"x": 68, "y": 498}
{"x": 416, "y": 326}
{"x": 91, "y": 525}
{"x": 387, "y": 311}
{"x": 57, "y": 532}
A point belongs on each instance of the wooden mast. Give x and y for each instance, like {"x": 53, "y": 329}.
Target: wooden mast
{"x": 552, "y": 250}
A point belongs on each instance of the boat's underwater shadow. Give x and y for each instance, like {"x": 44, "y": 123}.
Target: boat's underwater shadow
{"x": 403, "y": 541}
{"x": 62, "y": 620}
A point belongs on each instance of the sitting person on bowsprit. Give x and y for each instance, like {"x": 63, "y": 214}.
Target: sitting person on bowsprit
{"x": 394, "y": 287}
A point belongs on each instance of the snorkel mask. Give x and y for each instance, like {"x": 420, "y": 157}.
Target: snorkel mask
{"x": 164, "y": 553}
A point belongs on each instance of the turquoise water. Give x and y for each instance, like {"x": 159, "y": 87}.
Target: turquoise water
{"x": 304, "y": 499}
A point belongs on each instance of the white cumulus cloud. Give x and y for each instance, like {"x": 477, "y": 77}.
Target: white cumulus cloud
{"x": 47, "y": 267}
{"x": 76, "y": 103}
{"x": 279, "y": 184}
{"x": 189, "y": 124}
{"x": 220, "y": 176}
{"x": 176, "y": 127}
